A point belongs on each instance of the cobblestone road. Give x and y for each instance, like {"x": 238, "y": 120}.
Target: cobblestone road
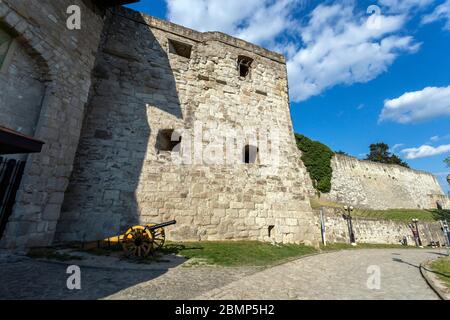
{"x": 337, "y": 275}
{"x": 25, "y": 278}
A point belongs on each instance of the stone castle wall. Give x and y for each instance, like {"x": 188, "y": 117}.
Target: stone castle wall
{"x": 23, "y": 87}
{"x": 122, "y": 178}
{"x": 56, "y": 65}
{"x": 373, "y": 185}
{"x": 376, "y": 231}
{"x": 439, "y": 200}
{"x": 120, "y": 80}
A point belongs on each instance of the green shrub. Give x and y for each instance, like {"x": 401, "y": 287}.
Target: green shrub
{"x": 317, "y": 159}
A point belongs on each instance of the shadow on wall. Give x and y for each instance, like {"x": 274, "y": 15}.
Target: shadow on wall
{"x": 132, "y": 71}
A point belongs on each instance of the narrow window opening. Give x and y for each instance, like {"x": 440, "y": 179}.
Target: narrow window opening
{"x": 250, "y": 154}
{"x": 244, "y": 63}
{"x": 270, "y": 229}
{"x": 180, "y": 48}
{"x": 168, "y": 140}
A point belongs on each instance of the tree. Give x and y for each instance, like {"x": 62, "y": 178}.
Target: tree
{"x": 317, "y": 158}
{"x": 379, "y": 152}
{"x": 342, "y": 153}
{"x": 447, "y": 161}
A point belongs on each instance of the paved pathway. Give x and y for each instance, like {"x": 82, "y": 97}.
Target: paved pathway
{"x": 25, "y": 278}
{"x": 337, "y": 275}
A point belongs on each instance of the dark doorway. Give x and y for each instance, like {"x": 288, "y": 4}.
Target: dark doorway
{"x": 11, "y": 172}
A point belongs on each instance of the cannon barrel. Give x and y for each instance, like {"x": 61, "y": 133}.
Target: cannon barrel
{"x": 162, "y": 225}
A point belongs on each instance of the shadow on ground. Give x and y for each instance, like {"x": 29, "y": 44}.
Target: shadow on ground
{"x": 418, "y": 267}
{"x": 27, "y": 278}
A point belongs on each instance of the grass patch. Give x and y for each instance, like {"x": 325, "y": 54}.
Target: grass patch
{"x": 50, "y": 254}
{"x": 441, "y": 267}
{"x": 392, "y": 214}
{"x": 237, "y": 253}
{"x": 220, "y": 253}
{"x": 404, "y": 214}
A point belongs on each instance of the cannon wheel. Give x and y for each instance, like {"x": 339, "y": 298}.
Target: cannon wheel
{"x": 159, "y": 237}
{"x": 138, "y": 241}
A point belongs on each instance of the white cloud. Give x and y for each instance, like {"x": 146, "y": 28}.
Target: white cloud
{"x": 425, "y": 151}
{"x": 404, "y": 6}
{"x": 441, "y": 12}
{"x": 439, "y": 138}
{"x": 411, "y": 107}
{"x": 258, "y": 21}
{"x": 333, "y": 45}
{"x": 434, "y": 138}
{"x": 396, "y": 146}
{"x": 341, "y": 47}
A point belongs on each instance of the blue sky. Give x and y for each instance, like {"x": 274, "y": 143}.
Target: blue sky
{"x": 360, "y": 72}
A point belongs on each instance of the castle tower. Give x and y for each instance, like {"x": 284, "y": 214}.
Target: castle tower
{"x": 188, "y": 126}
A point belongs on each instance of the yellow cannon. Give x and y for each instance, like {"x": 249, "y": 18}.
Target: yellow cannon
{"x": 139, "y": 241}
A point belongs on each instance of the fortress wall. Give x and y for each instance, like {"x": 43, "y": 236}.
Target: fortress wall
{"x": 373, "y": 185}
{"x": 377, "y": 231}
{"x": 437, "y": 200}
{"x": 49, "y": 79}
{"x": 22, "y": 90}
{"x": 120, "y": 176}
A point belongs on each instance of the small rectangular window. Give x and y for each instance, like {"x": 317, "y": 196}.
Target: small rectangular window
{"x": 179, "y": 48}
{"x": 244, "y": 63}
{"x": 167, "y": 140}
{"x": 250, "y": 154}
{"x": 270, "y": 229}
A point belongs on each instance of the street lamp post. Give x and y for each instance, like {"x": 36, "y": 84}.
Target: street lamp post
{"x": 448, "y": 180}
{"x": 416, "y": 231}
{"x": 348, "y": 217}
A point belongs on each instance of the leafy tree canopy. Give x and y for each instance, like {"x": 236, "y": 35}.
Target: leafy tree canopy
{"x": 447, "y": 161}
{"x": 379, "y": 152}
{"x": 317, "y": 158}
{"x": 342, "y": 152}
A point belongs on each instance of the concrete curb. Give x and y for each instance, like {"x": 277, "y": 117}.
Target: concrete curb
{"x": 431, "y": 282}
